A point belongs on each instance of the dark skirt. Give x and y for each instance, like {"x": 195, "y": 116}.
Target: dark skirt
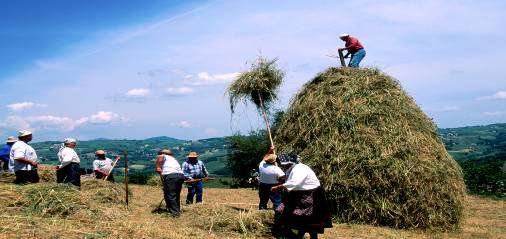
{"x": 304, "y": 210}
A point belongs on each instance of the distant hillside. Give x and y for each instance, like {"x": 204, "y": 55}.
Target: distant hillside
{"x": 465, "y": 143}
{"x": 475, "y": 142}
{"x": 141, "y": 153}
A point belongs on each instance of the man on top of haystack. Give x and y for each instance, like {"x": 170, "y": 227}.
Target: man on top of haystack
{"x": 353, "y": 47}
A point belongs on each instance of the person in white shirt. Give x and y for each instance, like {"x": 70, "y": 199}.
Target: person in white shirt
{"x": 23, "y": 159}
{"x": 172, "y": 178}
{"x": 270, "y": 175}
{"x": 102, "y": 166}
{"x": 69, "y": 170}
{"x": 304, "y": 207}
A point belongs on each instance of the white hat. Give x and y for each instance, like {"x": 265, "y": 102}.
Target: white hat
{"x": 24, "y": 133}
{"x": 11, "y": 139}
{"x": 69, "y": 140}
{"x": 344, "y": 35}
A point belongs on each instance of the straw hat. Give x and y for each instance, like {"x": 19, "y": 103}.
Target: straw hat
{"x": 69, "y": 140}
{"x": 11, "y": 139}
{"x": 270, "y": 158}
{"x": 166, "y": 151}
{"x": 193, "y": 155}
{"x": 23, "y": 133}
{"x": 100, "y": 152}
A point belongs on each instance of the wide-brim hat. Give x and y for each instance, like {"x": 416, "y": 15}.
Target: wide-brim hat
{"x": 270, "y": 158}
{"x": 11, "y": 139}
{"x": 166, "y": 151}
{"x": 193, "y": 155}
{"x": 100, "y": 152}
{"x": 23, "y": 133}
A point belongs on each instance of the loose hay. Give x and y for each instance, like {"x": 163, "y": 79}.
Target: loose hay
{"x": 376, "y": 153}
{"x": 262, "y": 80}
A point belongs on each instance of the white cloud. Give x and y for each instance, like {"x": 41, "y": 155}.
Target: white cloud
{"x": 500, "y": 95}
{"x": 494, "y": 113}
{"x": 138, "y": 92}
{"x": 182, "y": 124}
{"x": 57, "y": 123}
{"x": 204, "y": 78}
{"x": 24, "y": 105}
{"x": 180, "y": 90}
{"x": 211, "y": 131}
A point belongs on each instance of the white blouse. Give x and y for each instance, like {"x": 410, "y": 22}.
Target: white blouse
{"x": 301, "y": 178}
{"x": 170, "y": 165}
{"x": 68, "y": 155}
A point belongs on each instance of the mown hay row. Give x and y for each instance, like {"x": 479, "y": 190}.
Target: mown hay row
{"x": 377, "y": 154}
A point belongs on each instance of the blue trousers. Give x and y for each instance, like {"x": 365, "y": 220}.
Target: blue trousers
{"x": 356, "y": 58}
{"x": 194, "y": 188}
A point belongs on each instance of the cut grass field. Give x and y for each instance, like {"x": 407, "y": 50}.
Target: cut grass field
{"x": 226, "y": 213}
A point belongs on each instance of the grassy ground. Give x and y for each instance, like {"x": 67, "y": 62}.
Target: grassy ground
{"x": 226, "y": 213}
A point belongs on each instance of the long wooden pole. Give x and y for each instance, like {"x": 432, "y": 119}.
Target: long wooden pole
{"x": 110, "y": 171}
{"x": 266, "y": 121}
{"x": 126, "y": 176}
{"x": 341, "y": 57}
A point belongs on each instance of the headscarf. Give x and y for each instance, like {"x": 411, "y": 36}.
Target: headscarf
{"x": 288, "y": 158}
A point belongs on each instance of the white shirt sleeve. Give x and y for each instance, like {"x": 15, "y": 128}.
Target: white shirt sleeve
{"x": 296, "y": 178}
{"x": 279, "y": 172}
{"x": 66, "y": 157}
{"x": 18, "y": 152}
{"x": 95, "y": 165}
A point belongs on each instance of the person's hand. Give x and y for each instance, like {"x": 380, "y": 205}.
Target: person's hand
{"x": 276, "y": 188}
{"x": 57, "y": 167}
{"x": 158, "y": 170}
{"x": 271, "y": 150}
{"x": 34, "y": 164}
{"x": 205, "y": 179}
{"x": 118, "y": 157}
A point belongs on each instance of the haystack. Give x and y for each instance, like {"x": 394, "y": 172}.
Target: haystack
{"x": 376, "y": 153}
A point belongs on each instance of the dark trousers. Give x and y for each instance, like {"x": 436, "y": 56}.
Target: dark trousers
{"x": 194, "y": 189}
{"x": 5, "y": 165}
{"x": 172, "y": 185}
{"x": 264, "y": 193}
{"x": 99, "y": 175}
{"x": 26, "y": 176}
{"x": 69, "y": 174}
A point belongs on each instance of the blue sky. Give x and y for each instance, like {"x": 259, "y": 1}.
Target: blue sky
{"x": 136, "y": 69}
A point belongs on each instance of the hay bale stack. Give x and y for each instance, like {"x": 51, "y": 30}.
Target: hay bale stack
{"x": 376, "y": 153}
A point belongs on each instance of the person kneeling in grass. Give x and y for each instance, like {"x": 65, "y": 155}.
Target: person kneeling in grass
{"x": 270, "y": 174}
{"x": 102, "y": 166}
{"x": 172, "y": 178}
{"x": 69, "y": 170}
{"x": 304, "y": 207}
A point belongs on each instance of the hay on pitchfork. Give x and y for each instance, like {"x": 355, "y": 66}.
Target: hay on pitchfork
{"x": 376, "y": 153}
{"x": 260, "y": 82}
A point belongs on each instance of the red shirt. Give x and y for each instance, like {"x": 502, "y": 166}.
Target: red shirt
{"x": 353, "y": 45}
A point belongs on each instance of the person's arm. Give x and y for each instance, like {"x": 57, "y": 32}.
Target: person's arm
{"x": 204, "y": 170}
{"x": 296, "y": 178}
{"x": 26, "y": 161}
{"x": 66, "y": 158}
{"x": 159, "y": 161}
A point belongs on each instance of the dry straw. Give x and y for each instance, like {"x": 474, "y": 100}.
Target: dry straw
{"x": 376, "y": 153}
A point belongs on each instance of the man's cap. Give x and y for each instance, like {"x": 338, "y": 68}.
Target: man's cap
{"x": 344, "y": 35}
{"x": 166, "y": 151}
{"x": 289, "y": 158}
{"x": 193, "y": 155}
{"x": 11, "y": 139}
{"x": 270, "y": 158}
{"x": 100, "y": 152}
{"x": 69, "y": 140}
{"x": 23, "y": 133}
